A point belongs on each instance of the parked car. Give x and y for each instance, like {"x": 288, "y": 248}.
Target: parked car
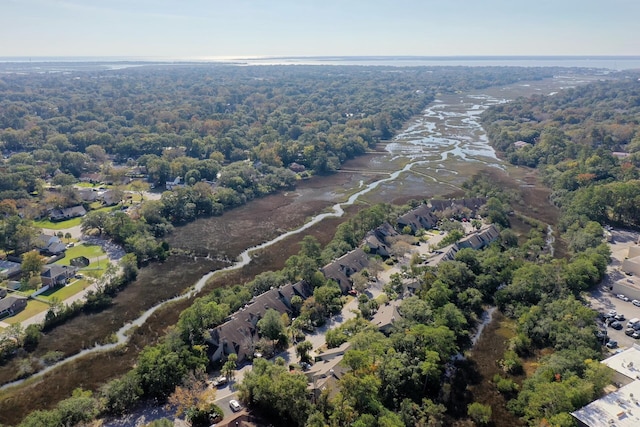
{"x": 623, "y": 297}
{"x": 616, "y": 325}
{"x": 234, "y": 405}
{"x": 636, "y": 303}
{"x": 220, "y": 381}
{"x": 612, "y": 344}
{"x": 636, "y": 335}
{"x": 611, "y": 313}
{"x": 629, "y": 331}
{"x": 619, "y": 317}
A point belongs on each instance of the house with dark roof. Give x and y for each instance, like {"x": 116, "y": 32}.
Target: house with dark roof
{"x": 472, "y": 204}
{"x": 378, "y": 242}
{"x": 344, "y": 267}
{"x": 67, "y": 213}
{"x": 88, "y": 194}
{"x": 326, "y": 371}
{"x": 240, "y": 333}
{"x": 57, "y": 274}
{"x": 49, "y": 245}
{"x": 111, "y": 198}
{"x": 480, "y": 239}
{"x": 12, "y": 305}
{"x": 420, "y": 217}
{"x": 386, "y": 316}
{"x": 9, "y": 268}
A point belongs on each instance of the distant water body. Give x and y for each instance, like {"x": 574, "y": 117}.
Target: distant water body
{"x": 600, "y": 62}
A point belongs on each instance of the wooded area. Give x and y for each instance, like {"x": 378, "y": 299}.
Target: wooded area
{"x": 242, "y": 128}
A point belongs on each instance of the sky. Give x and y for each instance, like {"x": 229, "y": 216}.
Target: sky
{"x": 246, "y": 28}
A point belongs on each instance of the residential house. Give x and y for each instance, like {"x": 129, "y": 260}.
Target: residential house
{"x": 325, "y": 373}
{"x": 67, "y": 213}
{"x": 111, "y": 198}
{"x": 56, "y": 274}
{"x": 12, "y": 305}
{"x": 9, "y": 269}
{"x": 480, "y": 238}
{"x": 50, "y": 245}
{"x": 420, "y": 217}
{"x": 88, "y": 195}
{"x": 521, "y": 144}
{"x": 170, "y": 185}
{"x": 344, "y": 267}
{"x": 378, "y": 240}
{"x": 386, "y": 316}
{"x": 240, "y": 333}
{"x": 472, "y": 205}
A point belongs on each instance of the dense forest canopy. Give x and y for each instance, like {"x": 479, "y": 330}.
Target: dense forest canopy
{"x": 585, "y": 140}
{"x": 315, "y": 116}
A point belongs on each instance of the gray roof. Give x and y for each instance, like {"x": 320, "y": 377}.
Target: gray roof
{"x": 342, "y": 268}
{"x": 8, "y": 302}
{"x": 240, "y": 332}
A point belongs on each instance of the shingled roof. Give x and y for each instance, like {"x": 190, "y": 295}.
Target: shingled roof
{"x": 342, "y": 268}
{"x": 240, "y": 333}
{"x": 420, "y": 217}
{"x": 377, "y": 241}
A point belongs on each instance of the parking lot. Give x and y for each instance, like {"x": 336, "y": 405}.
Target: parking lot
{"x": 604, "y": 300}
{"x": 617, "y": 282}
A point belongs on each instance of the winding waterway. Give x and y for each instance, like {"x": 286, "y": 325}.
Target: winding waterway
{"x": 434, "y": 152}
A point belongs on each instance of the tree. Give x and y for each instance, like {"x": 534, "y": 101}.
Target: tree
{"x": 81, "y": 407}
{"x": 129, "y": 264}
{"x": 479, "y": 413}
{"x": 303, "y": 349}
{"x": 271, "y": 325}
{"x": 329, "y": 298}
{"x": 229, "y": 367}
{"x": 94, "y": 220}
{"x": 120, "y": 394}
{"x": 192, "y": 395}
{"x": 32, "y": 263}
{"x": 67, "y": 236}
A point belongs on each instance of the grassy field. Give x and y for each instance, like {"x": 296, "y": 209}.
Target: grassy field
{"x": 61, "y": 225}
{"x": 89, "y": 251}
{"x": 65, "y": 292}
{"x": 50, "y": 225}
{"x": 33, "y": 308}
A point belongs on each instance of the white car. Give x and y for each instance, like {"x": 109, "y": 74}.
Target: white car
{"x": 623, "y": 297}
{"x": 636, "y": 303}
{"x": 234, "y": 405}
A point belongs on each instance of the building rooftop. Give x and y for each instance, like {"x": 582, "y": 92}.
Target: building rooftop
{"x": 618, "y": 409}
{"x": 626, "y": 362}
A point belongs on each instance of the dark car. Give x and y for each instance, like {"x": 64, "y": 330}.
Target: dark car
{"x": 629, "y": 331}
{"x": 616, "y": 325}
{"x": 612, "y": 344}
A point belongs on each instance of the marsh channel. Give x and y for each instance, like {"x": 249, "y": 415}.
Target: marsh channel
{"x": 431, "y": 157}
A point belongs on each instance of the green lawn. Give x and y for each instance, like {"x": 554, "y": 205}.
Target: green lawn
{"x": 62, "y": 293}
{"x": 89, "y": 251}
{"x": 45, "y": 223}
{"x": 33, "y": 308}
